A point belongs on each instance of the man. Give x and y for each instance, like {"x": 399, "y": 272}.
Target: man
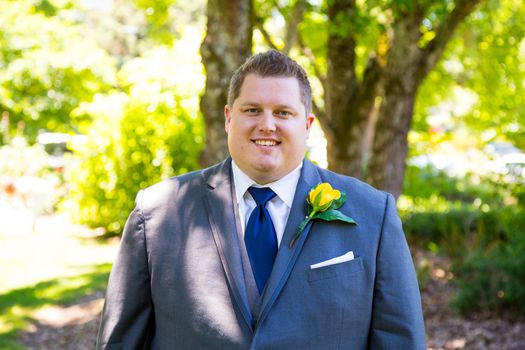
{"x": 204, "y": 263}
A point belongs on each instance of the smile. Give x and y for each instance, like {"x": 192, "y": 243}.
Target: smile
{"x": 265, "y": 142}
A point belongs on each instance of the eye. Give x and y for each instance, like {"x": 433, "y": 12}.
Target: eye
{"x": 283, "y": 113}
{"x": 251, "y": 111}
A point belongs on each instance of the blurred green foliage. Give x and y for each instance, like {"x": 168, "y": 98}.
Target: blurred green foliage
{"x": 147, "y": 132}
{"x": 483, "y": 69}
{"x": 139, "y": 145}
{"x": 477, "y": 221}
{"x": 494, "y": 278}
{"x": 111, "y": 79}
{"x": 47, "y": 67}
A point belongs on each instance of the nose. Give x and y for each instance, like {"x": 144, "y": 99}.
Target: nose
{"x": 266, "y": 122}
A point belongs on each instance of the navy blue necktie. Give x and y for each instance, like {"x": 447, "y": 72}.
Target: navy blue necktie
{"x": 260, "y": 237}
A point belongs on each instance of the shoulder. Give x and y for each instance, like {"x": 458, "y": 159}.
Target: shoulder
{"x": 357, "y": 191}
{"x": 350, "y": 183}
{"x": 175, "y": 188}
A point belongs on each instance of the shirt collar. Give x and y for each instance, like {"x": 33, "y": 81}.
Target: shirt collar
{"x": 284, "y": 187}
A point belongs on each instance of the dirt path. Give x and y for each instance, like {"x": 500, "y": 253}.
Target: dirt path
{"x": 72, "y": 327}
{"x": 446, "y": 330}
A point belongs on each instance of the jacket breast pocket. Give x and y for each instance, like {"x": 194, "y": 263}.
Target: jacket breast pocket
{"x": 336, "y": 270}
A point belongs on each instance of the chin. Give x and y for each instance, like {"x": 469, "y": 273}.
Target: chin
{"x": 266, "y": 174}
{"x": 267, "y": 169}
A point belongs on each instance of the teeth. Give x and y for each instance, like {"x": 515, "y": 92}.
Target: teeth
{"x": 265, "y": 142}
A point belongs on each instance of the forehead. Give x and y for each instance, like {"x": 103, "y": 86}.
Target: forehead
{"x": 276, "y": 89}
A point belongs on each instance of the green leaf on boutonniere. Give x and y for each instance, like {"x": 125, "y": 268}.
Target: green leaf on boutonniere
{"x": 331, "y": 215}
{"x": 339, "y": 202}
{"x": 323, "y": 202}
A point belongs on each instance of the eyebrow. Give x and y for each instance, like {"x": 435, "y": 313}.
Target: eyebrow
{"x": 257, "y": 104}
{"x": 248, "y": 103}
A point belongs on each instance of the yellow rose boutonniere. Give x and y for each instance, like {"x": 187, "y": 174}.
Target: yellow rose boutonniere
{"x": 323, "y": 202}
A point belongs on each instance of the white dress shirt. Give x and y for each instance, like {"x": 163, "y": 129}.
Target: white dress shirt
{"x": 278, "y": 207}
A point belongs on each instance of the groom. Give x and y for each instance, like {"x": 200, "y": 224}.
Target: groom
{"x": 208, "y": 259}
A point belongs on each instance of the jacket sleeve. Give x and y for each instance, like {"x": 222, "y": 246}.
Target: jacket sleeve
{"x": 397, "y": 318}
{"x": 127, "y": 320}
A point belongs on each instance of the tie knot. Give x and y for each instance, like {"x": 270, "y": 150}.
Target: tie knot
{"x": 261, "y": 195}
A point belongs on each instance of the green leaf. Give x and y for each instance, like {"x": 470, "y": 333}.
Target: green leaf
{"x": 332, "y": 215}
{"x": 339, "y": 202}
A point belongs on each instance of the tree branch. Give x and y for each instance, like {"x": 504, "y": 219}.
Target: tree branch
{"x": 293, "y": 36}
{"x": 307, "y": 52}
{"x": 292, "y": 23}
{"x": 259, "y": 23}
{"x": 371, "y": 83}
{"x": 431, "y": 53}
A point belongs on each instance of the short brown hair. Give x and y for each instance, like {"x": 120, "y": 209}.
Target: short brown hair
{"x": 271, "y": 64}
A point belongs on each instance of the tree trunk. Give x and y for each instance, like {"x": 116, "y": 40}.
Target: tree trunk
{"x": 353, "y": 115}
{"x": 345, "y": 149}
{"x": 348, "y": 102}
{"x": 401, "y": 80}
{"x": 227, "y": 45}
{"x": 406, "y": 68}
{"x": 390, "y": 147}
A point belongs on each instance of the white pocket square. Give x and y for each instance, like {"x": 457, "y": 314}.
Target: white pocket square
{"x": 337, "y": 260}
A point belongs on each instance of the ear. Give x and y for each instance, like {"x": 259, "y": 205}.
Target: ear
{"x": 227, "y": 118}
{"x": 309, "y": 121}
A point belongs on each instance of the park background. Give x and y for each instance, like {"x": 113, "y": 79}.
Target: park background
{"x": 424, "y": 99}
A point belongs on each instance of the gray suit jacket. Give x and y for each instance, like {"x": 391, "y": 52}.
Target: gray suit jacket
{"x": 179, "y": 281}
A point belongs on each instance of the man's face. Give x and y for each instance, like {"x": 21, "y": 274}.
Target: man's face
{"x": 267, "y": 127}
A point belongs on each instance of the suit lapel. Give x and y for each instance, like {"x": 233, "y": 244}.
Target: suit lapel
{"x": 220, "y": 208}
{"x": 286, "y": 256}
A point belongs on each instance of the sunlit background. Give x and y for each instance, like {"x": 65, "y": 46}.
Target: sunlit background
{"x": 100, "y": 98}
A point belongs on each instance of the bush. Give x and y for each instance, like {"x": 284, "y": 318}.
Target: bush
{"x": 130, "y": 145}
{"x": 421, "y": 184}
{"x": 457, "y": 214}
{"x": 455, "y": 231}
{"x": 494, "y": 279}
{"x": 479, "y": 222}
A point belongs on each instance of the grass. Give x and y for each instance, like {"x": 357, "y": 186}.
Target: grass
{"x": 56, "y": 265}
{"x": 18, "y": 306}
